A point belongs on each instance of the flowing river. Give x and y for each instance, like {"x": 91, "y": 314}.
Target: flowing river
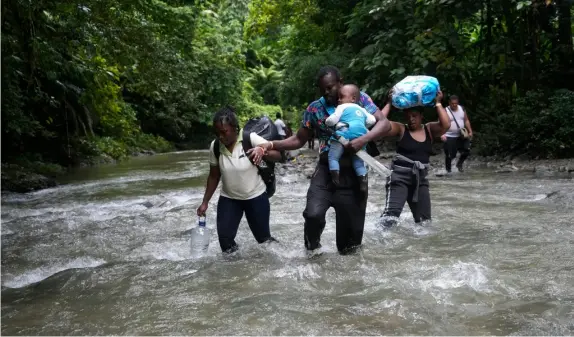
{"x": 107, "y": 252}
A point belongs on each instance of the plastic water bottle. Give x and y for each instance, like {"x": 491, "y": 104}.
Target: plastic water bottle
{"x": 199, "y": 238}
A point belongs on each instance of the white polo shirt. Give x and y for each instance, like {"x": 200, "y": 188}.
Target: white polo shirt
{"x": 240, "y": 179}
{"x": 280, "y": 127}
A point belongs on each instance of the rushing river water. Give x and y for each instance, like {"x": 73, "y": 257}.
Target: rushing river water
{"x": 107, "y": 253}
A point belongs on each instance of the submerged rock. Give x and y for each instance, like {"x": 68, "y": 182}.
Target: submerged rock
{"x": 147, "y": 152}
{"x": 561, "y": 197}
{"x": 147, "y": 204}
{"x": 507, "y": 169}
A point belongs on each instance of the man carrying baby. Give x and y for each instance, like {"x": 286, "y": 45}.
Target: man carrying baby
{"x": 351, "y": 121}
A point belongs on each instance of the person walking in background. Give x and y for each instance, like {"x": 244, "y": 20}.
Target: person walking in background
{"x": 280, "y": 125}
{"x": 457, "y": 138}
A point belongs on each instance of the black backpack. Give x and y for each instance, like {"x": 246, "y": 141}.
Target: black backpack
{"x": 264, "y": 127}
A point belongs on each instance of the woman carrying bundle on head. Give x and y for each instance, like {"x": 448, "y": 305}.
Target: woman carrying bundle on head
{"x": 408, "y": 181}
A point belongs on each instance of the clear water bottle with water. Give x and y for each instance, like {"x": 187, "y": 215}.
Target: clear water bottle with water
{"x": 200, "y": 238}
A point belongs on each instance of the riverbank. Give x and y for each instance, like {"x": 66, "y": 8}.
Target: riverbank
{"x": 28, "y": 176}
{"x": 305, "y": 160}
{"x": 23, "y": 178}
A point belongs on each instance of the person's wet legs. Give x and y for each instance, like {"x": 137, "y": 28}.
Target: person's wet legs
{"x": 397, "y": 192}
{"x": 464, "y": 149}
{"x": 257, "y": 211}
{"x": 229, "y": 214}
{"x": 318, "y": 202}
{"x": 422, "y": 208}
{"x": 450, "y": 149}
{"x": 350, "y": 209}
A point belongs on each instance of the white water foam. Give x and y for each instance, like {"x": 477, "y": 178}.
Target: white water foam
{"x": 460, "y": 274}
{"x": 162, "y": 251}
{"x": 102, "y": 211}
{"x": 42, "y": 273}
{"x": 289, "y": 179}
{"x": 6, "y": 231}
{"x": 281, "y": 250}
{"x": 299, "y": 272}
{"x": 539, "y": 197}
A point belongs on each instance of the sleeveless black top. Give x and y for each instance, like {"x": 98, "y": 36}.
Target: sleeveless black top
{"x": 413, "y": 149}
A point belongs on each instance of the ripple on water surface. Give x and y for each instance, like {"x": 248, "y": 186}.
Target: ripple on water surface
{"x": 108, "y": 253}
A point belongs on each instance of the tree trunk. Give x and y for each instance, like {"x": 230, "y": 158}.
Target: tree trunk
{"x": 565, "y": 48}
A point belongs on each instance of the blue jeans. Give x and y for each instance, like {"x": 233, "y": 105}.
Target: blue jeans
{"x": 229, "y": 214}
{"x": 336, "y": 151}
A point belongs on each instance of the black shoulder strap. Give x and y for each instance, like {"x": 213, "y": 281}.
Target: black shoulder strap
{"x": 216, "y": 150}
{"x": 246, "y": 142}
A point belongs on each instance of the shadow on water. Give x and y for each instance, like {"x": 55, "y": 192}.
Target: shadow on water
{"x": 108, "y": 253}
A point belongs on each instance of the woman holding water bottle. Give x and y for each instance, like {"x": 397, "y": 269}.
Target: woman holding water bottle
{"x": 243, "y": 190}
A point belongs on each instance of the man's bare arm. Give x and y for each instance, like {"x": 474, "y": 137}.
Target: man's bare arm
{"x": 467, "y": 123}
{"x": 292, "y": 143}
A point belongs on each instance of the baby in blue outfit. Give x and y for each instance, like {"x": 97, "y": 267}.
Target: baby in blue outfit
{"x": 356, "y": 121}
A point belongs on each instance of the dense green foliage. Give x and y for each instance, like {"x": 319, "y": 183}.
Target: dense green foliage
{"x": 494, "y": 54}
{"x": 115, "y": 77}
{"x": 93, "y": 77}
